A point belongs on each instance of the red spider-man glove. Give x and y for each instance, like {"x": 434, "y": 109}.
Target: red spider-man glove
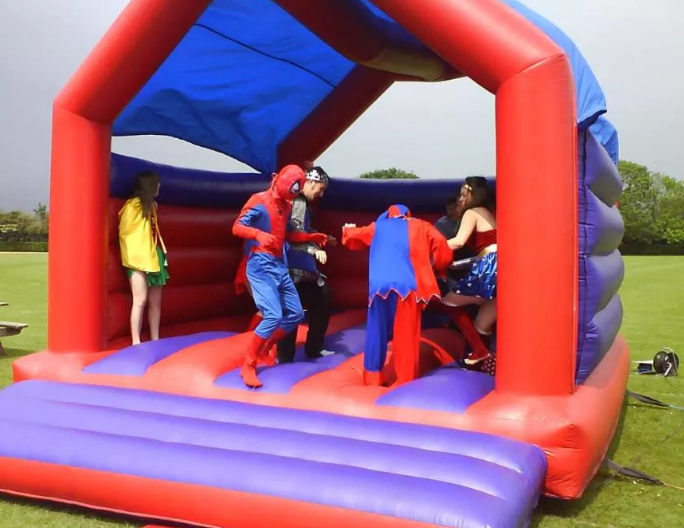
{"x": 300, "y": 237}
{"x": 244, "y": 231}
{"x": 266, "y": 240}
{"x": 319, "y": 239}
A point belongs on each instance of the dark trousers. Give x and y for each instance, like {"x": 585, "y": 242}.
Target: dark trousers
{"x": 316, "y": 301}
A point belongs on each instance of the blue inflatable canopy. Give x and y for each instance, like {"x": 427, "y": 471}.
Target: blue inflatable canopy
{"x": 248, "y": 73}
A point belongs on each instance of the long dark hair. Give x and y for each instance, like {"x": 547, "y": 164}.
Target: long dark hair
{"x": 481, "y": 194}
{"x": 146, "y": 185}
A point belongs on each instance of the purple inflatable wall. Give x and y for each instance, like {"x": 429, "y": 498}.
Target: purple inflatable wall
{"x": 206, "y": 189}
{"x": 601, "y": 268}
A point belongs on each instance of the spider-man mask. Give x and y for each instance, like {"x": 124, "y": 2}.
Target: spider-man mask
{"x": 288, "y": 182}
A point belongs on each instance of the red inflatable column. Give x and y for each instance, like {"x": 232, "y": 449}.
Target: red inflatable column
{"x": 536, "y": 178}
{"x": 142, "y": 37}
{"x": 77, "y": 308}
{"x": 537, "y": 227}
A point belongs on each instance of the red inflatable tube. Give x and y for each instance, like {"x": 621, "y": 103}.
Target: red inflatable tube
{"x": 177, "y": 502}
{"x": 345, "y": 104}
{"x": 350, "y": 28}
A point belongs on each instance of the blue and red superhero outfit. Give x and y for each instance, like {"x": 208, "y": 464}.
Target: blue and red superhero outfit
{"x": 264, "y": 224}
{"x": 481, "y": 278}
{"x": 404, "y": 254}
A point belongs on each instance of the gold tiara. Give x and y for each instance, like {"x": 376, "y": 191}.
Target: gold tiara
{"x": 467, "y": 187}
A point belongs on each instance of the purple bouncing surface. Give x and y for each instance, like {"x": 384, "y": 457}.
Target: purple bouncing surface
{"x": 449, "y": 389}
{"x": 281, "y": 379}
{"x": 135, "y": 360}
{"x": 441, "y": 477}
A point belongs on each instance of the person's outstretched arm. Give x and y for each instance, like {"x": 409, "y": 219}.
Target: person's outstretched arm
{"x": 468, "y": 223}
{"x": 442, "y": 255}
{"x": 297, "y": 236}
{"x": 356, "y": 238}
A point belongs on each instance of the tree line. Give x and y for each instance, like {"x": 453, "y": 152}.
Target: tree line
{"x": 652, "y": 206}
{"x": 17, "y": 226}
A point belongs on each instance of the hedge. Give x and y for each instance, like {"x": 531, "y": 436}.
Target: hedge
{"x": 652, "y": 249}
{"x": 14, "y": 245}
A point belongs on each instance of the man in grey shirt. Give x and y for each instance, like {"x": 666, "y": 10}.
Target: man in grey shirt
{"x": 311, "y": 285}
{"x": 448, "y": 224}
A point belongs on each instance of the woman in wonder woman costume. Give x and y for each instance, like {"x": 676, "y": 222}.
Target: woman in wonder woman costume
{"x": 143, "y": 254}
{"x": 477, "y": 231}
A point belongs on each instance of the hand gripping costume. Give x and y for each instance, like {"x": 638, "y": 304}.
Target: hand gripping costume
{"x": 264, "y": 224}
{"x": 404, "y": 253}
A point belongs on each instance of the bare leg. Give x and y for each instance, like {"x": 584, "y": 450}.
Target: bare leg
{"x": 484, "y": 322}
{"x": 154, "y": 298}
{"x": 486, "y": 317}
{"x": 138, "y": 283}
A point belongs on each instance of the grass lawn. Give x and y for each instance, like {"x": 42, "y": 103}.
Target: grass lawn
{"x": 649, "y": 438}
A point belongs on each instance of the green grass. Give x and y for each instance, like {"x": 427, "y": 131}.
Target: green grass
{"x": 650, "y": 439}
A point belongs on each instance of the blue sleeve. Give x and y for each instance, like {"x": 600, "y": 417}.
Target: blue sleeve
{"x": 252, "y": 211}
{"x": 251, "y": 216}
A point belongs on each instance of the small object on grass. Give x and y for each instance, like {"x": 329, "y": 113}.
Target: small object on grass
{"x": 664, "y": 363}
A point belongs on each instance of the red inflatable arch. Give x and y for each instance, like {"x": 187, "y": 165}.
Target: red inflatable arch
{"x": 535, "y": 97}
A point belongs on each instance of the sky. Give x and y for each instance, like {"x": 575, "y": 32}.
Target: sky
{"x": 441, "y": 130}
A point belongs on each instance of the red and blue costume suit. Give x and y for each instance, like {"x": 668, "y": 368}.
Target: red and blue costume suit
{"x": 405, "y": 252}
{"x": 264, "y": 224}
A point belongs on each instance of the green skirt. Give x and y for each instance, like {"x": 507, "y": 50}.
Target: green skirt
{"x": 157, "y": 278}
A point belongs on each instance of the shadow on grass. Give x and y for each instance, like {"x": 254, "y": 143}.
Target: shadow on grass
{"x": 568, "y": 509}
{"x": 15, "y": 353}
{"x": 6, "y": 360}
{"x": 109, "y": 517}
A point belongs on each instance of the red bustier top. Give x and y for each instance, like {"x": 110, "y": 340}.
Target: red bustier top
{"x": 480, "y": 240}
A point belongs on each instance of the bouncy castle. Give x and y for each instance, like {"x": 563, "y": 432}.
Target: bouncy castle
{"x": 166, "y": 430}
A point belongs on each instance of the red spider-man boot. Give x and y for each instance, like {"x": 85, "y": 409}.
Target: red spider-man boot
{"x": 269, "y": 354}
{"x": 475, "y": 339}
{"x": 248, "y": 370}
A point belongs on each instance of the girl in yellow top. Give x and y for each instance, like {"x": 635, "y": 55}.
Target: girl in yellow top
{"x": 143, "y": 253}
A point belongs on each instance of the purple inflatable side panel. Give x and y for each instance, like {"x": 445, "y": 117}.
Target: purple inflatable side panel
{"x": 601, "y": 268}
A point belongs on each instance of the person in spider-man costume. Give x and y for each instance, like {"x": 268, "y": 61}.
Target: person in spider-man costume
{"x": 264, "y": 223}
{"x": 405, "y": 252}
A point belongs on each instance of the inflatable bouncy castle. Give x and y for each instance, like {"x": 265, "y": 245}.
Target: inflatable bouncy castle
{"x": 166, "y": 429}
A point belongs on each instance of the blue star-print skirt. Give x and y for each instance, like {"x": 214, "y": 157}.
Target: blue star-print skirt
{"x": 481, "y": 279}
